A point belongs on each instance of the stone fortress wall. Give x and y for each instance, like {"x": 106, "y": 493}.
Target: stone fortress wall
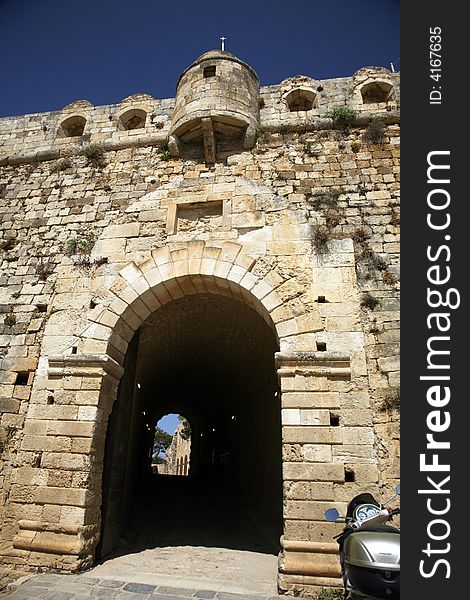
{"x": 108, "y": 212}
{"x": 178, "y": 453}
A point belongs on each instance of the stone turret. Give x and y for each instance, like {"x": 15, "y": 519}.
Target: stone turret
{"x": 217, "y": 106}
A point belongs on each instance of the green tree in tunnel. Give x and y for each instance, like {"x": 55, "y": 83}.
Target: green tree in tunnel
{"x": 161, "y": 441}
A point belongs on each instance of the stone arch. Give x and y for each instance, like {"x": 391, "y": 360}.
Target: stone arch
{"x": 301, "y": 98}
{"x": 299, "y": 93}
{"x": 132, "y": 118}
{"x": 72, "y": 126}
{"x": 376, "y": 92}
{"x": 374, "y": 89}
{"x": 197, "y": 268}
{"x": 142, "y": 290}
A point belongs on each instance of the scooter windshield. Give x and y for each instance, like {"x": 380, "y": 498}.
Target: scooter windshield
{"x": 361, "y": 499}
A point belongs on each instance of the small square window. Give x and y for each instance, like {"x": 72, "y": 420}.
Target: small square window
{"x": 334, "y": 420}
{"x": 22, "y": 378}
{"x": 209, "y": 71}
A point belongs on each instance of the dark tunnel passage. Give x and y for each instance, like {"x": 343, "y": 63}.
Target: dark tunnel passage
{"x": 210, "y": 358}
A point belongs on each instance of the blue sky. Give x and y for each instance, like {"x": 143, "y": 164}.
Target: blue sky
{"x": 169, "y": 423}
{"x": 54, "y": 52}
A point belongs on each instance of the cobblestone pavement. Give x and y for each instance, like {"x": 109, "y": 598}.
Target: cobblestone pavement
{"x": 82, "y": 587}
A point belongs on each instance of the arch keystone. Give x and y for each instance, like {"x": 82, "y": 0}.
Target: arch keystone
{"x": 212, "y": 253}
{"x": 181, "y": 268}
{"x": 180, "y": 255}
{"x": 196, "y": 248}
{"x": 208, "y": 266}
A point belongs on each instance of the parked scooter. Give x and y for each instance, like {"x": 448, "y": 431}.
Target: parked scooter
{"x": 369, "y": 549}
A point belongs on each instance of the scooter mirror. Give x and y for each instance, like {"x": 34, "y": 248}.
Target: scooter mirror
{"x": 331, "y": 514}
{"x": 397, "y": 489}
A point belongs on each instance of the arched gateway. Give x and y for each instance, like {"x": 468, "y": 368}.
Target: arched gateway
{"x": 85, "y": 383}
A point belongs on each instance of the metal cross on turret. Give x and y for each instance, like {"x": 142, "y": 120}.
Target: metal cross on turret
{"x": 222, "y": 42}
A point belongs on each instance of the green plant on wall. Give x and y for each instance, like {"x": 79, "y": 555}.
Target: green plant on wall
{"x": 389, "y": 278}
{"x": 391, "y": 401}
{"x": 95, "y": 155}
{"x": 326, "y": 203}
{"x": 81, "y": 244}
{"x": 320, "y": 238}
{"x": 8, "y": 244}
{"x": 343, "y": 116}
{"x": 6, "y": 434}
{"x": 9, "y": 320}
{"x": 369, "y": 301}
{"x": 325, "y": 200}
{"x": 164, "y": 149}
{"x": 375, "y": 132}
{"x": 44, "y": 268}
{"x": 62, "y": 165}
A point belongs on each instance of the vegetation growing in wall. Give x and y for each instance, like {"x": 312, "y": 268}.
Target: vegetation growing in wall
{"x": 368, "y": 262}
{"x": 95, "y": 155}
{"x": 356, "y": 146}
{"x": 9, "y": 320}
{"x": 164, "y": 149}
{"x": 61, "y": 165}
{"x": 391, "y": 401}
{"x": 343, "y": 117}
{"x": 374, "y": 328}
{"x": 374, "y": 134}
{"x": 320, "y": 237}
{"x": 360, "y": 236}
{"x": 394, "y": 218}
{"x": 8, "y": 244}
{"x": 80, "y": 248}
{"x": 325, "y": 200}
{"x": 44, "y": 268}
{"x": 326, "y": 203}
{"x": 262, "y": 135}
{"x": 6, "y": 435}
{"x": 369, "y": 301}
{"x": 389, "y": 278}
{"x": 81, "y": 244}
{"x": 307, "y": 147}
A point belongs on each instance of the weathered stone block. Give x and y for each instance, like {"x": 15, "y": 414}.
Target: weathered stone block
{"x": 313, "y": 435}
{"x": 313, "y": 472}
